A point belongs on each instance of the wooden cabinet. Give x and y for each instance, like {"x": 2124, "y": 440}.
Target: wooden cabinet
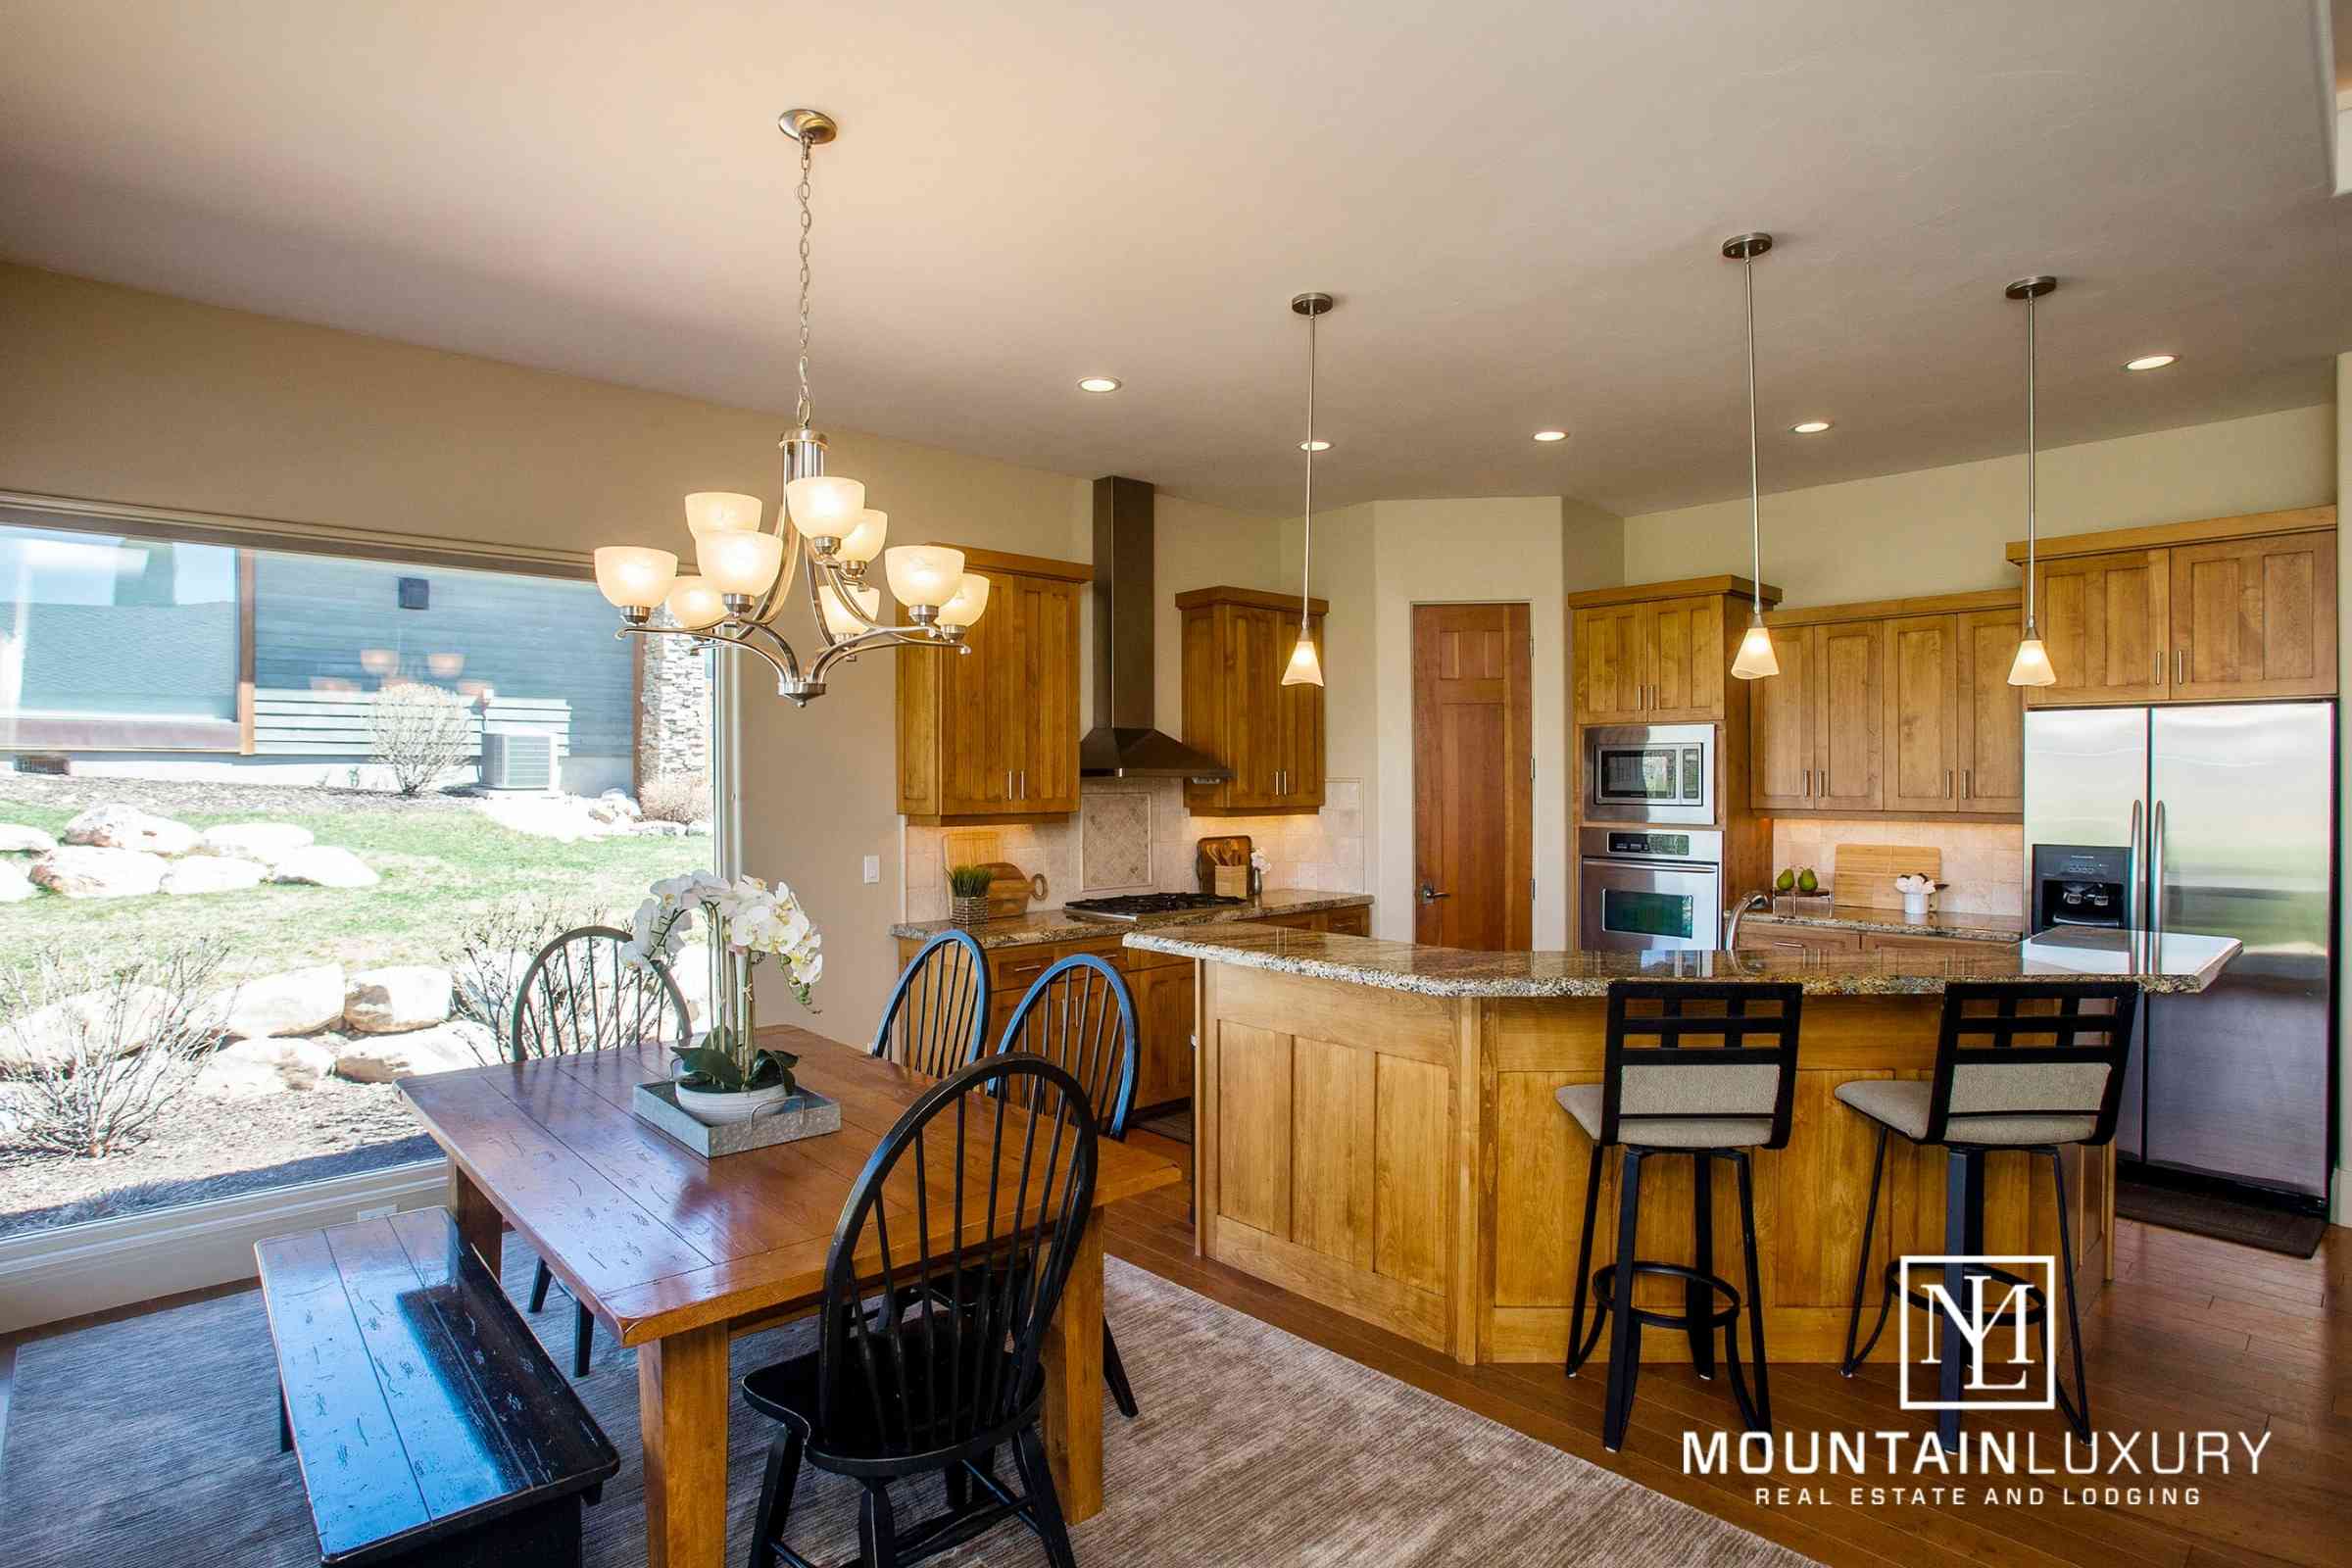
{"x": 1922, "y": 714}
{"x": 1351, "y": 922}
{"x": 1798, "y": 941}
{"x": 1163, "y": 1020}
{"x": 1991, "y": 749}
{"x": 1931, "y": 947}
{"x": 1657, "y": 661}
{"x": 1815, "y": 735}
{"x": 991, "y": 735}
{"x": 1237, "y": 643}
{"x": 2216, "y": 610}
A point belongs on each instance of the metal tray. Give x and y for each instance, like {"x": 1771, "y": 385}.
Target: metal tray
{"x": 804, "y": 1114}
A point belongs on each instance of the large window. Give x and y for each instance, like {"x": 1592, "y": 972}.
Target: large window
{"x": 276, "y": 828}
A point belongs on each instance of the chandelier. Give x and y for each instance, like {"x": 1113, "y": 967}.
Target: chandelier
{"x": 746, "y": 574}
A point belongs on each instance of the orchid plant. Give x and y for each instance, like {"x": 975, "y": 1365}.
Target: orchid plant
{"x": 746, "y": 922}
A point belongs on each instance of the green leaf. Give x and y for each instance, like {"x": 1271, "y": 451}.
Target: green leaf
{"x": 707, "y": 1068}
{"x": 770, "y": 1067}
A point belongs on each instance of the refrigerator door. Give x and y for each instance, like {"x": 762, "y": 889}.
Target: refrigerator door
{"x": 2237, "y": 1075}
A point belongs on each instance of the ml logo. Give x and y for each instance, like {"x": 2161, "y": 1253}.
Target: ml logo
{"x": 1990, "y": 1320}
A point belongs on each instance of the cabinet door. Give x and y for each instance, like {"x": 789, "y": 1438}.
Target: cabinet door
{"x": 1849, "y": 708}
{"x": 1612, "y": 678}
{"x": 1684, "y": 641}
{"x": 1798, "y": 942}
{"x": 977, "y": 710}
{"x": 1781, "y": 729}
{"x": 1923, "y": 715}
{"x": 2104, "y": 620}
{"x": 2254, "y": 617}
{"x": 1163, "y": 1020}
{"x": 1254, "y": 656}
{"x": 1045, "y": 731}
{"x": 1297, "y": 751}
{"x": 1934, "y": 947}
{"x": 1351, "y": 922}
{"x": 1993, "y": 712}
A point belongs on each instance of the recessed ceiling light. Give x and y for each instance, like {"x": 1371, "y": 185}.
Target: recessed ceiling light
{"x": 2150, "y": 362}
{"x": 1100, "y": 383}
{"x": 1551, "y": 435}
{"x": 1316, "y": 445}
{"x": 1810, "y": 427}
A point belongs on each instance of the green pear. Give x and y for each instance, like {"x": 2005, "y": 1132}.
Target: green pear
{"x": 1786, "y": 880}
{"x": 1807, "y": 882}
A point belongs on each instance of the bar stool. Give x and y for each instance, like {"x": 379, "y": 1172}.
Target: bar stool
{"x": 1990, "y": 1093}
{"x": 1680, "y": 1096}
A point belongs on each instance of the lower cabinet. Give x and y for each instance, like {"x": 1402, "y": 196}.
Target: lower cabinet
{"x": 1940, "y": 947}
{"x": 1798, "y": 941}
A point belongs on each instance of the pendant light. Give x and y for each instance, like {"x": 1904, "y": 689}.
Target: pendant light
{"x": 2031, "y": 667}
{"x": 1755, "y": 658}
{"x": 1305, "y": 668}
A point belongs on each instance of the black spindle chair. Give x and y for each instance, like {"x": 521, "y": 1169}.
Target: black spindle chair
{"x": 2022, "y": 1067}
{"x": 937, "y": 1019}
{"x": 578, "y": 995}
{"x": 929, "y": 1353}
{"x": 1080, "y": 1014}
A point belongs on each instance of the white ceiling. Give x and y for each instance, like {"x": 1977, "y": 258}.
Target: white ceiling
{"x": 1518, "y": 206}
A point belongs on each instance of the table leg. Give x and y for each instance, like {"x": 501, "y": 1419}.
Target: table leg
{"x": 682, "y": 1410}
{"x": 1073, "y": 1357}
{"x": 479, "y": 1222}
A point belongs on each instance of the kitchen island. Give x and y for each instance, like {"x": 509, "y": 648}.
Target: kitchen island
{"x": 1377, "y": 1128}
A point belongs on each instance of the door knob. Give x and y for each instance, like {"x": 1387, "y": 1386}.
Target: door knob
{"x": 1430, "y": 895}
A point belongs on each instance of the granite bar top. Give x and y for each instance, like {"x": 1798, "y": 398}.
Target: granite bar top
{"x": 1895, "y": 923}
{"x": 2169, "y": 963}
{"x": 1059, "y": 926}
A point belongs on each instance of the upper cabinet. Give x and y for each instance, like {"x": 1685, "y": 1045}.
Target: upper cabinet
{"x": 1815, "y": 742}
{"x": 1237, "y": 643}
{"x": 991, "y": 735}
{"x": 2216, "y": 610}
{"x": 1656, "y": 654}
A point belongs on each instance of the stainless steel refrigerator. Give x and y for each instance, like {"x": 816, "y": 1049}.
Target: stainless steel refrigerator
{"x": 2228, "y": 812}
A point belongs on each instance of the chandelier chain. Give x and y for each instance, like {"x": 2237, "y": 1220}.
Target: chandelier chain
{"x": 805, "y": 411}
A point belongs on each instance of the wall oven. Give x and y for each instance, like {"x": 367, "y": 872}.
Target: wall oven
{"x": 1650, "y": 890}
{"x": 1649, "y": 774}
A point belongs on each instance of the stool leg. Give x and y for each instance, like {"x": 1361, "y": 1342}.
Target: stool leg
{"x": 1579, "y": 1349}
{"x": 1625, "y": 1345}
{"x": 1755, "y": 1296}
{"x": 1697, "y": 1300}
{"x": 1870, "y": 1221}
{"x": 1962, "y": 1234}
{"x": 2078, "y": 1413}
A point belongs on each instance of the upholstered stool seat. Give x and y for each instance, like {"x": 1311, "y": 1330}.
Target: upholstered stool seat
{"x": 1582, "y": 1102}
{"x": 1904, "y": 1107}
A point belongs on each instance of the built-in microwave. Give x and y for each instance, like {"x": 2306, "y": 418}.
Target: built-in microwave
{"x": 1649, "y": 774}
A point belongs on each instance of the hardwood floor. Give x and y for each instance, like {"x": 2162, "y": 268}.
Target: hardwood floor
{"x": 2194, "y": 1334}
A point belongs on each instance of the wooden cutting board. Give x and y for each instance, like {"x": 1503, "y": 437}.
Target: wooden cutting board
{"x": 1230, "y": 848}
{"x": 1866, "y": 872}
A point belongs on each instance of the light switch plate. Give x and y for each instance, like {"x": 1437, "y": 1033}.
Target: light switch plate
{"x": 873, "y": 868}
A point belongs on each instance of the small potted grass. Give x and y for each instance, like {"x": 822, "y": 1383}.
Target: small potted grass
{"x": 967, "y": 887}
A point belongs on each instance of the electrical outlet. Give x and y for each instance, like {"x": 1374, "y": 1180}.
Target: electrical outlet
{"x": 381, "y": 1211}
{"x": 873, "y": 868}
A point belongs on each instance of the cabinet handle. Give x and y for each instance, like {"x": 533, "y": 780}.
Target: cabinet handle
{"x": 1024, "y": 783}
{"x": 2180, "y": 666}
{"x": 1968, "y": 784}
{"x": 1008, "y": 784}
{"x": 2156, "y": 666}
{"x": 1947, "y": 782}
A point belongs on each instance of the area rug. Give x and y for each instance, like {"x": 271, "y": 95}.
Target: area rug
{"x": 155, "y": 1440}
{"x": 2273, "y": 1230}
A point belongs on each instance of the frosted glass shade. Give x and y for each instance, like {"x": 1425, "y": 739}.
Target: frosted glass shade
{"x": 723, "y": 512}
{"x": 923, "y": 575}
{"x": 864, "y": 542}
{"x": 839, "y": 618}
{"x": 971, "y": 597}
{"x": 1305, "y": 667}
{"x": 1756, "y": 658}
{"x": 2032, "y": 666}
{"x": 696, "y": 603}
{"x": 633, "y": 577}
{"x": 739, "y": 563}
{"x": 825, "y": 506}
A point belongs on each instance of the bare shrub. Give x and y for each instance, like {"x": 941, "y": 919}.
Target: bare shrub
{"x": 676, "y": 798}
{"x": 420, "y": 732}
{"x": 106, "y": 1044}
{"x": 494, "y": 949}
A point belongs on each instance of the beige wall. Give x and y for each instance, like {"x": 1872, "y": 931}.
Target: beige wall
{"x": 2341, "y": 1211}
{"x": 1941, "y": 530}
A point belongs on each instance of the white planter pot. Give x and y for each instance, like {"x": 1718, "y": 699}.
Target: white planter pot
{"x": 1915, "y": 905}
{"x": 720, "y": 1108}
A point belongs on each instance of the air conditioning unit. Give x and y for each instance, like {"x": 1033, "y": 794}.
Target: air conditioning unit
{"x": 524, "y": 760}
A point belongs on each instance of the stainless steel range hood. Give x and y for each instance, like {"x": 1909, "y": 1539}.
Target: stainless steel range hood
{"x": 1123, "y": 744}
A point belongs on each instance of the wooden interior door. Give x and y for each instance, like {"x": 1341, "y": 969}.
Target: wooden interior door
{"x": 2254, "y": 617}
{"x": 2105, "y": 622}
{"x": 1992, "y": 715}
{"x": 1848, "y": 716}
{"x": 1473, "y": 796}
{"x": 1923, "y": 715}
{"x": 1781, "y": 734}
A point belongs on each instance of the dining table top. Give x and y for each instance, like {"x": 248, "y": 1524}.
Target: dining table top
{"x": 658, "y": 1239}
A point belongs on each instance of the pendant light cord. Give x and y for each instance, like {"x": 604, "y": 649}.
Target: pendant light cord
{"x": 1307, "y": 561}
{"x": 2032, "y": 526}
{"x": 803, "y": 416}
{"x": 1756, "y": 494}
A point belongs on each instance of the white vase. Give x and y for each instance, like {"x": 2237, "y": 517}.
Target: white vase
{"x": 1915, "y": 905}
{"x": 719, "y": 1108}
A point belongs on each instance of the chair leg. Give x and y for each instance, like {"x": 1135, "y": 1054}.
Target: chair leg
{"x": 1625, "y": 1346}
{"x": 1870, "y": 1221}
{"x": 878, "y": 1526}
{"x": 1044, "y": 1502}
{"x": 583, "y": 1337}
{"x": 1755, "y": 1294}
{"x": 1579, "y": 1349}
{"x": 2078, "y": 1413}
{"x": 776, "y": 1497}
{"x": 1963, "y": 1235}
{"x": 1697, "y": 1300}
{"x": 541, "y": 1278}
{"x": 1114, "y": 1373}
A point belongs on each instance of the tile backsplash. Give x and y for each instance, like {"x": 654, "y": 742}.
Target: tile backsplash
{"x": 1135, "y": 836}
{"x": 1984, "y": 862}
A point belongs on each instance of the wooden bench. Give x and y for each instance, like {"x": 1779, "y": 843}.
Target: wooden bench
{"x": 429, "y": 1423}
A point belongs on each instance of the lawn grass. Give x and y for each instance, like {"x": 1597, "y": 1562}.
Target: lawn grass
{"x": 442, "y": 869}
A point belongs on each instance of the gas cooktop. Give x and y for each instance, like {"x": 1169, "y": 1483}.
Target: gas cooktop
{"x": 1138, "y": 907}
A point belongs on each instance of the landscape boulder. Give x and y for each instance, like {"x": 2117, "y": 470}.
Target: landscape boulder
{"x": 18, "y": 839}
{"x": 396, "y": 999}
{"x": 380, "y": 1059}
{"x": 15, "y": 886}
{"x": 297, "y": 1001}
{"x": 79, "y": 871}
{"x": 660, "y": 830}
{"x": 613, "y": 807}
{"x": 212, "y": 873}
{"x": 255, "y": 841}
{"x": 225, "y": 1077}
{"x": 319, "y": 866}
{"x": 297, "y": 1064}
{"x": 120, "y": 1020}
{"x": 118, "y": 826}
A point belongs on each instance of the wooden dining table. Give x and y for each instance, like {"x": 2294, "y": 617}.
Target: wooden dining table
{"x": 676, "y": 1255}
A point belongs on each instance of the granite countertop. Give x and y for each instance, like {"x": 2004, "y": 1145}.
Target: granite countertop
{"x": 2169, "y": 963}
{"x": 1895, "y": 923}
{"x": 1058, "y": 925}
